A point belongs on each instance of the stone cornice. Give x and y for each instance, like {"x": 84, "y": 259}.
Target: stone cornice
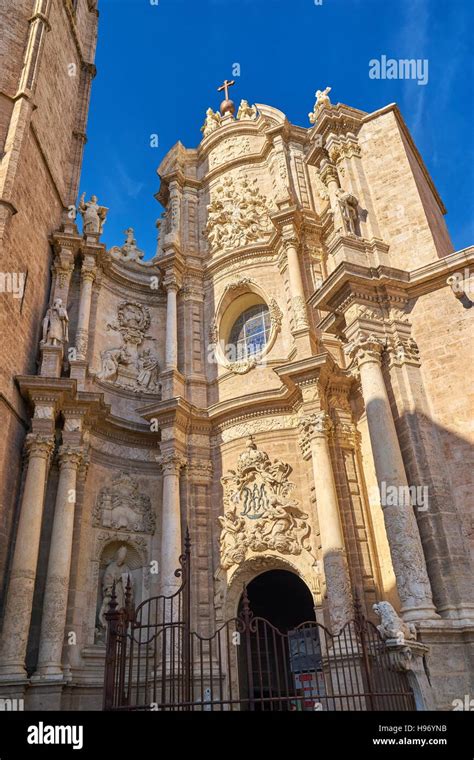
{"x": 348, "y": 278}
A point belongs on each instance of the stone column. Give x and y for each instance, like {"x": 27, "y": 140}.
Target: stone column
{"x": 315, "y": 427}
{"x": 171, "y": 540}
{"x": 400, "y": 523}
{"x": 88, "y": 273}
{"x": 59, "y": 565}
{"x": 19, "y": 600}
{"x": 171, "y": 355}
{"x": 298, "y": 301}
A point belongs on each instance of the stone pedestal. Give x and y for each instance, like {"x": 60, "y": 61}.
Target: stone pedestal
{"x": 51, "y": 360}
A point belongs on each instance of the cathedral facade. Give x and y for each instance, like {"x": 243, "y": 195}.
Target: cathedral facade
{"x": 283, "y": 379}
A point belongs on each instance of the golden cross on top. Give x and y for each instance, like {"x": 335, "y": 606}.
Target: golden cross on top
{"x": 225, "y": 87}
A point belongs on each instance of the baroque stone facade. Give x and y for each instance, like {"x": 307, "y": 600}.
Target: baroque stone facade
{"x": 270, "y": 378}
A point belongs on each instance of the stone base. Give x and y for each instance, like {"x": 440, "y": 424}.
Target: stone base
{"x": 45, "y": 695}
{"x": 51, "y": 361}
{"x": 172, "y": 384}
{"x": 78, "y": 371}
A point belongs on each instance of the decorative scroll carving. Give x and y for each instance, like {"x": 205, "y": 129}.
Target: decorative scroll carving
{"x": 259, "y": 515}
{"x": 238, "y": 215}
{"x": 121, "y": 506}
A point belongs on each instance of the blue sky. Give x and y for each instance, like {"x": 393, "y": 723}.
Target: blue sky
{"x": 159, "y": 67}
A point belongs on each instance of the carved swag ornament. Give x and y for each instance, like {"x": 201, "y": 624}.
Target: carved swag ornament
{"x": 259, "y": 515}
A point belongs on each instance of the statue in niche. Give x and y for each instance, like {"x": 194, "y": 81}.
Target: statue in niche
{"x": 212, "y": 122}
{"x": 118, "y": 572}
{"x": 93, "y": 215}
{"x": 56, "y": 325}
{"x": 348, "y": 205}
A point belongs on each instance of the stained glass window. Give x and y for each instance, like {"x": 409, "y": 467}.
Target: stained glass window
{"x": 250, "y": 332}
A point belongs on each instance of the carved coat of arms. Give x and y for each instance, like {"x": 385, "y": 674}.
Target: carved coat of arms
{"x": 259, "y": 513}
{"x": 121, "y": 506}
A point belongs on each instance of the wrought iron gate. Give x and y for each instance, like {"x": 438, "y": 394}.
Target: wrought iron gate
{"x": 155, "y": 662}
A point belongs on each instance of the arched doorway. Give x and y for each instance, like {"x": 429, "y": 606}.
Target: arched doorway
{"x": 283, "y": 652}
{"x": 282, "y": 598}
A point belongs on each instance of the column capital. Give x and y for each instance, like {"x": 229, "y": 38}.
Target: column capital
{"x": 38, "y": 445}
{"x": 70, "y": 456}
{"x": 172, "y": 462}
{"x": 172, "y": 281}
{"x": 403, "y": 350}
{"x": 313, "y": 425}
{"x": 88, "y": 270}
{"x": 328, "y": 172}
{"x": 366, "y": 348}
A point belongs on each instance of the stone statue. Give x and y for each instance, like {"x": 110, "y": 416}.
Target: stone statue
{"x": 111, "y": 359}
{"x": 246, "y": 112}
{"x": 148, "y": 370}
{"x": 129, "y": 251}
{"x": 93, "y": 215}
{"x": 348, "y": 205}
{"x": 391, "y": 625}
{"x": 212, "y": 122}
{"x": 117, "y": 571}
{"x": 322, "y": 101}
{"x": 56, "y": 324}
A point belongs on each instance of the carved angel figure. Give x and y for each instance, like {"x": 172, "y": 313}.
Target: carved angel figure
{"x": 111, "y": 359}
{"x": 211, "y": 123}
{"x": 93, "y": 215}
{"x": 56, "y": 324}
{"x": 245, "y": 111}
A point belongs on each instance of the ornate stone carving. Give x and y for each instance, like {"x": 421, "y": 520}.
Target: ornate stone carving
{"x": 126, "y": 366}
{"x": 276, "y": 314}
{"x": 322, "y": 101}
{"x": 37, "y": 445}
{"x": 246, "y": 429}
{"x": 349, "y": 214}
{"x": 55, "y": 325}
{"x": 211, "y": 123}
{"x": 300, "y": 315}
{"x": 391, "y": 625}
{"x": 246, "y": 111}
{"x": 57, "y": 590}
{"x": 338, "y": 589}
{"x": 121, "y": 506}
{"x": 259, "y": 515}
{"x": 238, "y": 215}
{"x": 403, "y": 350}
{"x": 172, "y": 463}
{"x": 229, "y": 149}
{"x": 365, "y": 348}
{"x": 129, "y": 250}
{"x": 93, "y": 215}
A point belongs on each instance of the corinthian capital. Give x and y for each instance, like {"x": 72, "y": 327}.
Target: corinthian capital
{"x": 40, "y": 446}
{"x": 366, "y": 348}
{"x": 172, "y": 462}
{"x": 315, "y": 425}
{"x": 70, "y": 456}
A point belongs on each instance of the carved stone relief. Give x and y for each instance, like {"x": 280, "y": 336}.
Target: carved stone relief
{"x": 238, "y": 215}
{"x": 126, "y": 365}
{"x": 259, "y": 514}
{"x": 121, "y": 506}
